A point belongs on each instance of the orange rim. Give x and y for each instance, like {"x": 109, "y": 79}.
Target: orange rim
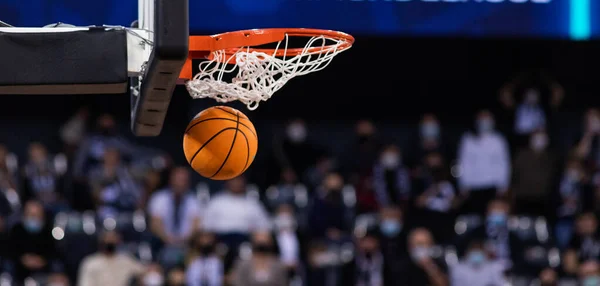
{"x": 201, "y": 47}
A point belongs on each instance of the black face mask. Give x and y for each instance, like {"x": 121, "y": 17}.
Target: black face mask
{"x": 262, "y": 248}
{"x": 106, "y": 131}
{"x": 206, "y": 249}
{"x": 437, "y": 173}
{"x": 109, "y": 248}
{"x": 364, "y": 138}
{"x": 334, "y": 195}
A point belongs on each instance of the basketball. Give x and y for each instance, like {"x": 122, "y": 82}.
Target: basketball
{"x": 220, "y": 143}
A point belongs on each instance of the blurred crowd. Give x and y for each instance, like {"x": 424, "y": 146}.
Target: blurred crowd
{"x": 502, "y": 205}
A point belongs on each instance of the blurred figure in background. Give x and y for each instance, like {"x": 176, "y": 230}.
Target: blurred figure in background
{"x": 42, "y": 180}
{"x": 548, "y": 277}
{"x": 393, "y": 234}
{"x": 534, "y": 176}
{"x": 8, "y": 178}
{"x": 575, "y": 194}
{"x": 430, "y": 140}
{"x": 434, "y": 197}
{"x": 287, "y": 238}
{"x": 263, "y": 268}
{"x": 58, "y": 279}
{"x": 153, "y": 276}
{"x": 295, "y": 151}
{"x": 500, "y": 244}
{"x": 113, "y": 188}
{"x": 484, "y": 162}
{"x": 589, "y": 273}
{"x": 206, "y": 268}
{"x": 360, "y": 158}
{"x": 391, "y": 179}
{"x": 588, "y": 147}
{"x": 285, "y": 188}
{"x": 584, "y": 245}
{"x": 369, "y": 264}
{"x": 530, "y": 116}
{"x": 174, "y": 212}
{"x": 73, "y": 131}
{"x": 176, "y": 277}
{"x": 108, "y": 266}
{"x": 327, "y": 218}
{"x": 476, "y": 269}
{"x": 422, "y": 268}
{"x": 31, "y": 243}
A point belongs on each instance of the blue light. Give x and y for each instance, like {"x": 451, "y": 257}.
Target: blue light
{"x": 580, "y": 20}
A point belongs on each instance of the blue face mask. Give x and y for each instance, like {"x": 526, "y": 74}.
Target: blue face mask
{"x": 485, "y": 125}
{"x": 591, "y": 281}
{"x": 390, "y": 228}
{"x": 420, "y": 252}
{"x": 497, "y": 219}
{"x": 32, "y": 225}
{"x": 430, "y": 130}
{"x": 476, "y": 257}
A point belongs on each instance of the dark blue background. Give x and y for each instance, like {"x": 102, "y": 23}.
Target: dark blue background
{"x": 374, "y": 17}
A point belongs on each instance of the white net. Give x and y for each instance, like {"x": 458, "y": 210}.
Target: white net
{"x": 257, "y": 75}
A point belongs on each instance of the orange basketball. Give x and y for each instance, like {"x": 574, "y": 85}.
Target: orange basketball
{"x": 220, "y": 143}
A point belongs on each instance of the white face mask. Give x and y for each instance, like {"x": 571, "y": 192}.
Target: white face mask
{"x": 485, "y": 125}
{"x": 390, "y": 160}
{"x": 285, "y": 222}
{"x": 296, "y": 132}
{"x": 153, "y": 279}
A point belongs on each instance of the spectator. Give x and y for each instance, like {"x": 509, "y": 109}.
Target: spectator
{"x": 548, "y": 277}
{"x": 31, "y": 243}
{"x": 315, "y": 175}
{"x": 589, "y": 273}
{"x": 575, "y": 194}
{"x": 150, "y": 184}
{"x": 263, "y": 268}
{"x": 58, "y": 279}
{"x": 232, "y": 212}
{"x": 363, "y": 153}
{"x": 369, "y": 262}
{"x": 73, "y": 131}
{"x": 113, "y": 187}
{"x": 108, "y": 266}
{"x": 285, "y": 190}
{"x": 484, "y": 162}
{"x": 295, "y": 151}
{"x": 534, "y": 176}
{"x": 154, "y": 276}
{"x": 530, "y": 116}
{"x": 434, "y": 199}
{"x": 501, "y": 245}
{"x": 430, "y": 140}
{"x": 42, "y": 180}
{"x": 476, "y": 269}
{"x": 206, "y": 269}
{"x": 423, "y": 268}
{"x": 585, "y": 245}
{"x": 8, "y": 170}
{"x": 92, "y": 149}
{"x": 287, "y": 238}
{"x": 327, "y": 218}
{"x": 174, "y": 212}
{"x": 588, "y": 147}
{"x": 391, "y": 178}
{"x": 393, "y": 234}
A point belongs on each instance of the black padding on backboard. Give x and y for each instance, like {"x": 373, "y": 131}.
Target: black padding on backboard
{"x": 78, "y": 62}
{"x": 171, "y": 36}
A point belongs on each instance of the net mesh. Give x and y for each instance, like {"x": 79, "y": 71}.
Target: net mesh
{"x": 258, "y": 75}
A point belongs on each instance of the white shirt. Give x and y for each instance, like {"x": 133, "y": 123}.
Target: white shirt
{"x": 289, "y": 248}
{"x": 205, "y": 271}
{"x": 162, "y": 205}
{"x": 487, "y": 274}
{"x": 228, "y": 213}
{"x": 101, "y": 270}
{"x": 484, "y": 161}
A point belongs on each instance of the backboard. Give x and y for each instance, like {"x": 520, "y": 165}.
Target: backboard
{"x": 62, "y": 59}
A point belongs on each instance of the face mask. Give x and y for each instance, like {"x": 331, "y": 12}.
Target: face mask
{"x": 153, "y": 279}
{"x": 390, "y": 227}
{"x": 485, "y": 125}
{"x": 591, "y": 281}
{"x": 476, "y": 257}
{"x": 430, "y": 130}
{"x": 419, "y": 253}
{"x": 539, "y": 142}
{"x": 497, "y": 219}
{"x": 109, "y": 248}
{"x": 390, "y": 160}
{"x": 285, "y": 222}
{"x": 296, "y": 133}
{"x": 33, "y": 225}
{"x": 262, "y": 248}
{"x": 206, "y": 249}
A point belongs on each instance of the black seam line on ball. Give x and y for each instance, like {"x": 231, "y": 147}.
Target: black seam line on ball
{"x": 237, "y": 125}
{"x": 208, "y": 141}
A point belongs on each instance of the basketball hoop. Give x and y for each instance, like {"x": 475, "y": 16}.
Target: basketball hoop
{"x": 258, "y": 72}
